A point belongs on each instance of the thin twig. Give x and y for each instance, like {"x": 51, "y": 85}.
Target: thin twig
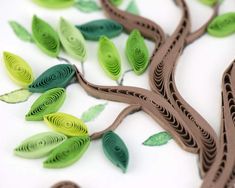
{"x": 123, "y": 75}
{"x": 83, "y": 69}
{"x": 63, "y": 59}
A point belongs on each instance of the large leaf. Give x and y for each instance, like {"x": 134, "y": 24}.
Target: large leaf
{"x": 93, "y": 112}
{"x": 137, "y": 52}
{"x": 158, "y": 139}
{"x": 56, "y": 76}
{"x": 49, "y": 102}
{"x": 20, "y": 31}
{"x": 17, "y": 96}
{"x": 66, "y": 124}
{"x": 72, "y": 40}
{"x": 133, "y": 8}
{"x": 18, "y": 69}
{"x": 209, "y": 2}
{"x": 45, "y": 37}
{"x": 87, "y": 6}
{"x": 109, "y": 58}
{"x": 105, "y": 27}
{"x": 115, "y": 150}
{"x": 222, "y": 25}
{"x": 39, "y": 145}
{"x": 68, "y": 152}
{"x": 116, "y": 2}
{"x": 55, "y": 3}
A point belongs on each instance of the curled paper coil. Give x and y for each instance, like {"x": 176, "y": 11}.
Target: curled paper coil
{"x": 55, "y": 3}
{"x": 105, "y": 27}
{"x": 115, "y": 150}
{"x": 18, "y": 69}
{"x": 68, "y": 152}
{"x": 66, "y": 124}
{"x": 39, "y": 145}
{"x": 56, "y": 76}
{"x": 47, "y": 103}
{"x": 72, "y": 40}
{"x": 109, "y": 58}
{"x": 137, "y": 52}
{"x": 45, "y": 37}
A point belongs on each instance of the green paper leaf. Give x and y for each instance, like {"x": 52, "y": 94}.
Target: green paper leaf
{"x": 115, "y": 150}
{"x": 116, "y": 2}
{"x": 45, "y": 37}
{"x": 105, "y": 27}
{"x": 209, "y": 2}
{"x": 93, "y": 112}
{"x": 223, "y": 25}
{"x": 68, "y": 152}
{"x": 72, "y": 40}
{"x": 49, "y": 102}
{"x": 39, "y": 145}
{"x": 17, "y": 96}
{"x": 20, "y": 31}
{"x": 158, "y": 139}
{"x": 18, "y": 70}
{"x": 133, "y": 8}
{"x": 55, "y": 3}
{"x": 87, "y": 6}
{"x": 109, "y": 58}
{"x": 66, "y": 124}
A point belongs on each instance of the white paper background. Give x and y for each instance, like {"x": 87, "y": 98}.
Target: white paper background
{"x": 198, "y": 78}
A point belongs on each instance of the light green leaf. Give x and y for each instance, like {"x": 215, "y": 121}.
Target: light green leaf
{"x": 133, "y": 8}
{"x": 20, "y": 31}
{"x": 158, "y": 139}
{"x": 16, "y": 96}
{"x": 93, "y": 112}
{"x": 87, "y": 6}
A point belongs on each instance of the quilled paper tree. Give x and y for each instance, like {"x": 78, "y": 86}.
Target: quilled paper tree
{"x": 163, "y": 102}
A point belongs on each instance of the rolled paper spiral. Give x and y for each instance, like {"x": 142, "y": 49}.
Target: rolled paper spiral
{"x": 95, "y": 29}
{"x": 137, "y": 52}
{"x": 68, "y": 152}
{"x": 49, "y": 102}
{"x": 45, "y": 37}
{"x": 222, "y": 25}
{"x": 109, "y": 58}
{"x": 66, "y": 124}
{"x": 65, "y": 184}
{"x": 56, "y": 76}
{"x": 55, "y": 3}
{"x": 72, "y": 40}
{"x": 18, "y": 69}
{"x": 115, "y": 150}
{"x": 116, "y": 2}
{"x": 39, "y": 145}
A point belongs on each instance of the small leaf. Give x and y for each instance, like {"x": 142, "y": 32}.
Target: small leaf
{"x": 158, "y": 139}
{"x": 115, "y": 150}
{"x": 68, "y": 152}
{"x": 21, "y": 32}
{"x": 137, "y": 52}
{"x": 87, "y": 6}
{"x": 209, "y": 2}
{"x": 45, "y": 37}
{"x": 66, "y": 124}
{"x": 56, "y": 76}
{"x": 109, "y": 58}
{"x": 55, "y": 3}
{"x": 18, "y": 69}
{"x": 17, "y": 96}
{"x": 49, "y": 102}
{"x": 116, "y": 2}
{"x": 133, "y": 8}
{"x": 95, "y": 29}
{"x": 72, "y": 40}
{"x": 93, "y": 112}
{"x": 223, "y": 25}
{"x": 39, "y": 145}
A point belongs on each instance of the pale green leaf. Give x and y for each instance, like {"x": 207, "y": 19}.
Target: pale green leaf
{"x": 133, "y": 8}
{"x": 93, "y": 112}
{"x": 21, "y": 32}
{"x": 87, "y": 6}
{"x": 158, "y": 139}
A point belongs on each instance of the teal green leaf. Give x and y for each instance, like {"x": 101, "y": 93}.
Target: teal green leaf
{"x": 72, "y": 40}
{"x": 133, "y": 8}
{"x": 20, "y": 31}
{"x": 209, "y": 2}
{"x": 93, "y": 112}
{"x": 45, "y": 37}
{"x": 109, "y": 58}
{"x": 49, "y": 102}
{"x": 115, "y": 150}
{"x": 39, "y": 145}
{"x": 55, "y": 3}
{"x": 87, "y": 6}
{"x": 116, "y": 2}
{"x": 158, "y": 139}
{"x": 68, "y": 152}
{"x": 17, "y": 96}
